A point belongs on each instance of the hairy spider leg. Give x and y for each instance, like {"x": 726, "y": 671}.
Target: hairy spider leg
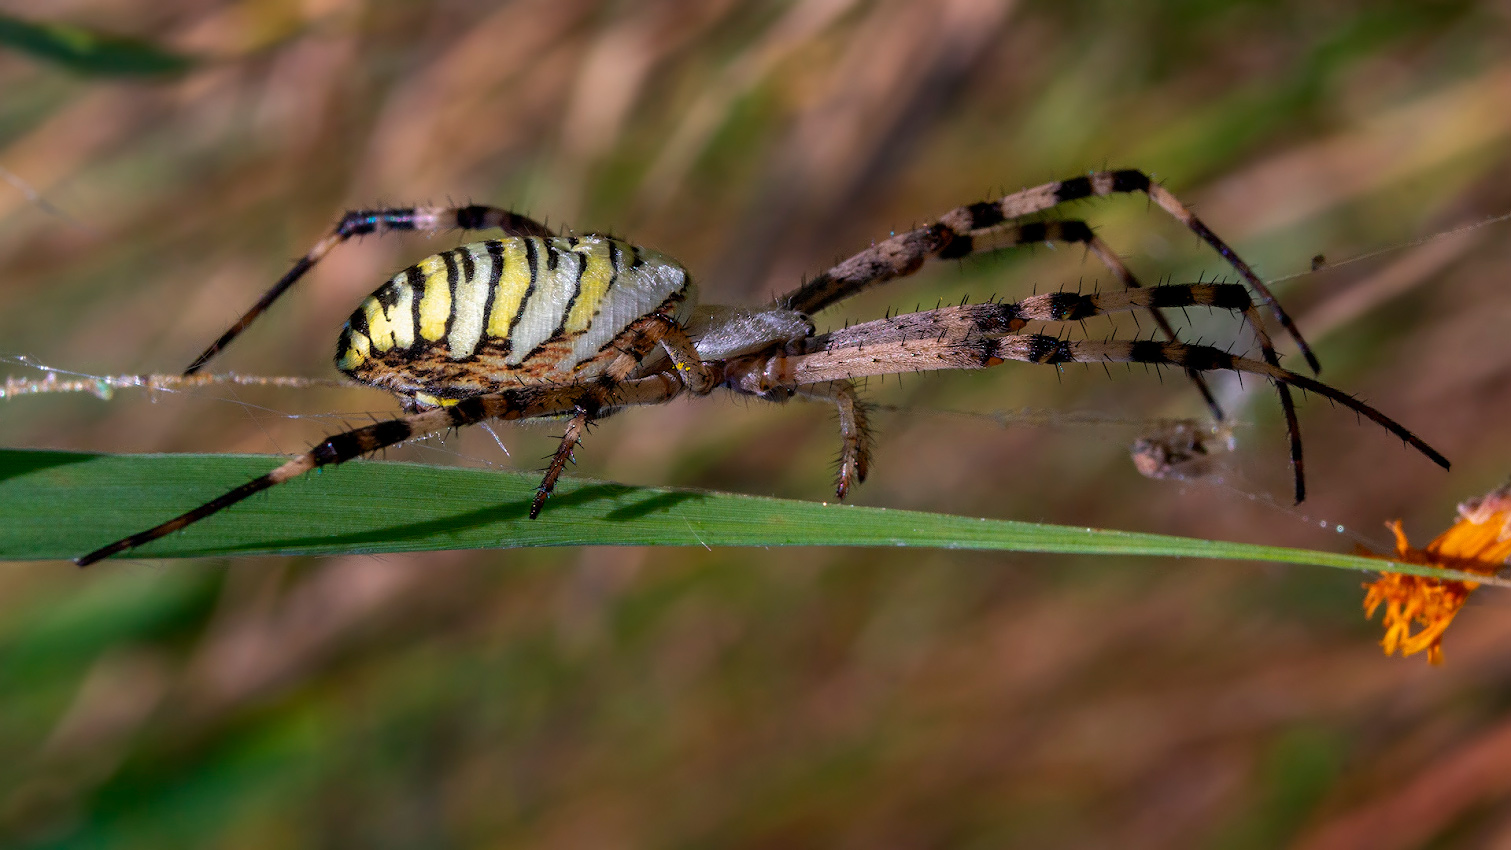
{"x": 1061, "y": 307}
{"x": 991, "y": 226}
{"x": 523, "y": 403}
{"x": 363, "y": 222}
{"x": 980, "y": 336}
{"x": 1075, "y": 232}
{"x": 1065, "y": 307}
{"x": 854, "y": 431}
{"x": 576, "y": 426}
{"x": 954, "y": 233}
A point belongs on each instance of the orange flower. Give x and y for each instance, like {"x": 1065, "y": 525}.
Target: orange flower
{"x": 1480, "y": 542}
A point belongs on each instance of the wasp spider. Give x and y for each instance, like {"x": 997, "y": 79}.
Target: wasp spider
{"x": 536, "y": 324}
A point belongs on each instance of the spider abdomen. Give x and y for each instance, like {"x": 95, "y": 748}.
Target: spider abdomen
{"x": 504, "y": 311}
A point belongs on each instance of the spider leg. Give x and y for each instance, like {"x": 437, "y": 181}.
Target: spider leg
{"x": 983, "y": 335}
{"x": 363, "y": 222}
{"x": 1225, "y": 296}
{"x": 1008, "y": 235}
{"x": 855, "y": 431}
{"x": 1074, "y": 307}
{"x": 1036, "y": 348}
{"x": 522, "y": 403}
{"x": 954, "y": 234}
{"x": 576, "y": 426}
{"x": 696, "y": 374}
{"x": 1000, "y": 318}
{"x": 1079, "y": 232}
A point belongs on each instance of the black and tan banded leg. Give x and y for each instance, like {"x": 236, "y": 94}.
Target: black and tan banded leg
{"x": 1062, "y": 307}
{"x": 1002, "y": 318}
{"x": 955, "y": 232}
{"x": 1003, "y": 236}
{"x": 854, "y": 431}
{"x": 1065, "y": 307}
{"x": 522, "y": 403}
{"x": 364, "y": 222}
{"x": 980, "y": 336}
{"x": 1073, "y": 307}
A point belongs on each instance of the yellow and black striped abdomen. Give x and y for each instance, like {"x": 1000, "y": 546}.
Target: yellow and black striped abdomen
{"x": 493, "y": 314}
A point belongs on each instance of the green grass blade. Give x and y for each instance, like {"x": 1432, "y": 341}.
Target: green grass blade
{"x": 88, "y": 52}
{"x": 62, "y": 504}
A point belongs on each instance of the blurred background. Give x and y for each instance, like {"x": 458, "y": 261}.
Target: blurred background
{"x": 803, "y": 698}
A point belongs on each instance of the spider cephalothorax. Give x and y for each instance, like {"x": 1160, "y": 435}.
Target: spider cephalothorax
{"x": 537, "y": 324}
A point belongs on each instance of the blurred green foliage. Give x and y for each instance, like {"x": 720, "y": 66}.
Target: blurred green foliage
{"x": 88, "y": 52}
